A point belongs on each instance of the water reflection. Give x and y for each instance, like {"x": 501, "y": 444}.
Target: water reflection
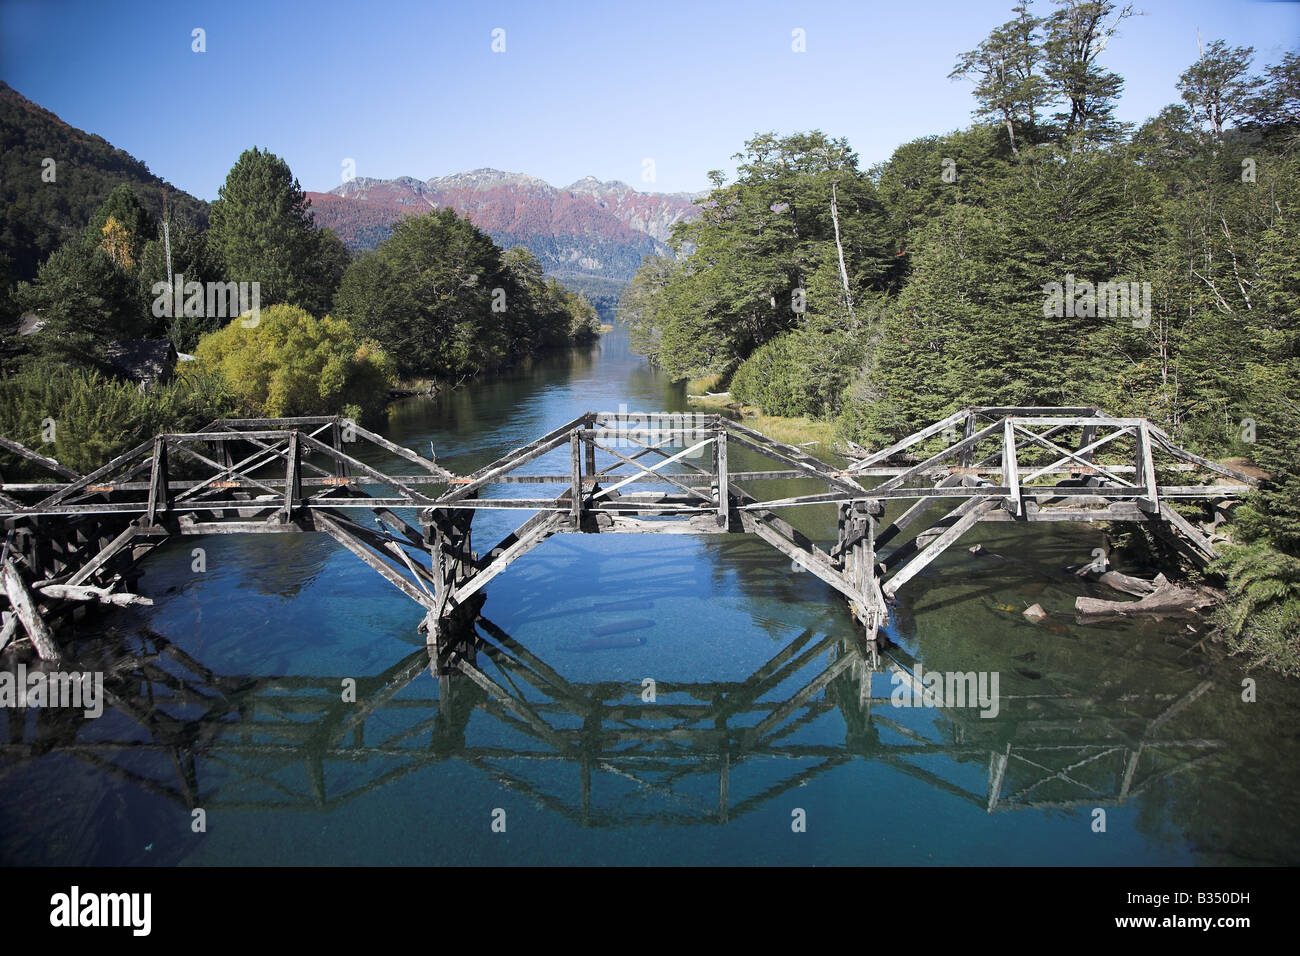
{"x": 602, "y": 753}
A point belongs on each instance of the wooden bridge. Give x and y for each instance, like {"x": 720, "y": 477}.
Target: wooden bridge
{"x": 75, "y": 538}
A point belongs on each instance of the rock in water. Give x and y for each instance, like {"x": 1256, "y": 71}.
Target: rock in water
{"x": 1035, "y": 613}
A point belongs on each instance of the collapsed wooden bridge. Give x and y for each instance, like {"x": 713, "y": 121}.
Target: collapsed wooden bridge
{"x": 75, "y": 538}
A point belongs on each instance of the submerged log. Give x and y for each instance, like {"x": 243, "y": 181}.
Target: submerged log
{"x": 1164, "y": 599}
{"x": 70, "y": 592}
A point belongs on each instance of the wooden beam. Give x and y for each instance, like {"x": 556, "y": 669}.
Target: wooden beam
{"x": 724, "y": 482}
{"x": 927, "y": 432}
{"x": 1146, "y": 473}
{"x": 936, "y": 548}
{"x": 114, "y": 547}
{"x": 24, "y": 605}
{"x": 45, "y": 462}
{"x": 1010, "y": 475}
{"x": 326, "y": 523}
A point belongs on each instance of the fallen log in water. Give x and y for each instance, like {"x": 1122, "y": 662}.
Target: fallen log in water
{"x": 84, "y": 592}
{"x": 24, "y": 605}
{"x": 1164, "y": 599}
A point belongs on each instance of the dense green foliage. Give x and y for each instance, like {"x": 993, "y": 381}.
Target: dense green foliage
{"x": 290, "y": 363}
{"x": 951, "y": 248}
{"x": 37, "y": 214}
{"x": 443, "y": 300}
{"x": 92, "y": 417}
{"x": 262, "y": 231}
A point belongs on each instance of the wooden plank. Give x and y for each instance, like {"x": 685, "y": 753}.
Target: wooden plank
{"x": 899, "y": 480}
{"x": 819, "y": 565}
{"x": 649, "y": 473}
{"x": 114, "y": 547}
{"x": 24, "y": 605}
{"x": 820, "y": 471}
{"x": 1023, "y": 411}
{"x": 631, "y": 479}
{"x": 324, "y": 522}
{"x": 292, "y": 479}
{"x": 1146, "y": 471}
{"x": 1010, "y": 474}
{"x": 405, "y": 454}
{"x": 519, "y": 457}
{"x": 724, "y": 483}
{"x": 1167, "y": 445}
{"x": 159, "y": 496}
{"x": 936, "y": 548}
{"x": 575, "y": 491}
{"x": 927, "y": 432}
{"x": 503, "y": 558}
{"x": 911, "y": 514}
{"x": 44, "y": 461}
{"x": 96, "y": 475}
{"x": 1198, "y": 539}
{"x": 1083, "y": 456}
{"x": 378, "y": 476}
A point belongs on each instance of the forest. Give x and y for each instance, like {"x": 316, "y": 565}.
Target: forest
{"x": 883, "y": 299}
{"x": 434, "y": 304}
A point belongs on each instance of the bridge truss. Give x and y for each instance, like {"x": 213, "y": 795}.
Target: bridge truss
{"x": 75, "y": 538}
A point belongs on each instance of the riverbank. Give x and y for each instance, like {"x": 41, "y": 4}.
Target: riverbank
{"x": 802, "y": 431}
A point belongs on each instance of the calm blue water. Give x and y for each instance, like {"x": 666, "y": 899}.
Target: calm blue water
{"x": 229, "y": 698}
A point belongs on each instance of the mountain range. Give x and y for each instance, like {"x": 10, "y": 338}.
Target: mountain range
{"x": 589, "y": 234}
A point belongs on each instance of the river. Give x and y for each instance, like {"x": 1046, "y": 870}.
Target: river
{"x": 701, "y": 728}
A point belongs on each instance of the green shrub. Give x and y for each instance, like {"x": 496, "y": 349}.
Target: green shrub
{"x": 799, "y": 373}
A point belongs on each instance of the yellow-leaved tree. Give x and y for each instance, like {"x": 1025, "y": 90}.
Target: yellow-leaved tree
{"x": 289, "y": 363}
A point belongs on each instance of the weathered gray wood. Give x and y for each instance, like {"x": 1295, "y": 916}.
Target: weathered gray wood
{"x": 631, "y": 479}
{"x": 1146, "y": 473}
{"x": 405, "y": 454}
{"x": 936, "y": 548}
{"x": 824, "y": 473}
{"x": 24, "y": 605}
{"x": 1197, "y": 538}
{"x": 1083, "y": 456}
{"x": 43, "y": 460}
{"x": 1010, "y": 472}
{"x": 927, "y": 432}
{"x": 159, "y": 495}
{"x": 66, "y": 592}
{"x": 326, "y": 523}
{"x": 724, "y": 481}
{"x": 114, "y": 547}
{"x": 1164, "y": 599}
{"x": 292, "y": 479}
{"x": 647, "y": 473}
{"x": 360, "y": 466}
{"x": 504, "y": 557}
{"x": 99, "y": 473}
{"x": 911, "y": 514}
{"x": 900, "y": 480}
{"x": 1167, "y": 445}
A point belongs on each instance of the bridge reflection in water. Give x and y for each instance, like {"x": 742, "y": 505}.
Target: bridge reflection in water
{"x": 176, "y": 729}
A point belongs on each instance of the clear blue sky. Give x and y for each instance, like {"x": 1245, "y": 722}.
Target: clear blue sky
{"x": 413, "y": 88}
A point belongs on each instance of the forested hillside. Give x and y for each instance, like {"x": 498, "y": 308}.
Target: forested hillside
{"x": 53, "y": 177}
{"x": 1048, "y": 254}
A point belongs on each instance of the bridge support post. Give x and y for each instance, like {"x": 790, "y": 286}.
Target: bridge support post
{"x": 449, "y": 626}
